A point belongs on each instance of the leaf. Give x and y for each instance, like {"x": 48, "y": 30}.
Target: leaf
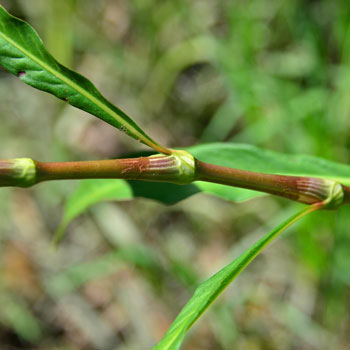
{"x": 163, "y": 192}
{"x": 23, "y": 54}
{"x": 240, "y": 156}
{"x": 209, "y": 290}
{"x": 89, "y": 193}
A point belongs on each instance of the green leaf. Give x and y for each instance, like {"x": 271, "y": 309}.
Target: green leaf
{"x": 89, "y": 193}
{"x": 233, "y": 155}
{"x": 209, "y": 290}
{"x": 163, "y": 192}
{"x": 23, "y": 54}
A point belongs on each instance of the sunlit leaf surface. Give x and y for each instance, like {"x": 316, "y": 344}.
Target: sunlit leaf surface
{"x": 23, "y": 54}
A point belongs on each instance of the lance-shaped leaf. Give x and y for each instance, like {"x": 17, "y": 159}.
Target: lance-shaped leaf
{"x": 23, "y": 54}
{"x": 209, "y": 290}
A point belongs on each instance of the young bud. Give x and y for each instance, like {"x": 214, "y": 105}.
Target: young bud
{"x": 19, "y": 172}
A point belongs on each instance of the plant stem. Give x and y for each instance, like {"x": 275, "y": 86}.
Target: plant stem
{"x": 306, "y": 190}
{"x": 180, "y": 168}
{"x": 155, "y": 168}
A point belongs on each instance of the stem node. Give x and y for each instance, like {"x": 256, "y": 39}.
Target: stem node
{"x": 19, "y": 172}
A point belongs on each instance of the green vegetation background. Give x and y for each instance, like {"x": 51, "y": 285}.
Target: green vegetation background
{"x": 274, "y": 74}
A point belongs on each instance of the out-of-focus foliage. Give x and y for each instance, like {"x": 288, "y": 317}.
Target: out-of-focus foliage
{"x": 274, "y": 74}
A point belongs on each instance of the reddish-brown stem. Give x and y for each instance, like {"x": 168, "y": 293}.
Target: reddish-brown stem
{"x": 157, "y": 168}
{"x": 302, "y": 189}
{"x": 181, "y": 168}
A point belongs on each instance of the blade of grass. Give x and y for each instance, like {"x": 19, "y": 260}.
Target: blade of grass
{"x": 209, "y": 290}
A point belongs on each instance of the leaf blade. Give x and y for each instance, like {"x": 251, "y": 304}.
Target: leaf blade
{"x": 91, "y": 192}
{"x": 210, "y": 289}
{"x": 23, "y": 54}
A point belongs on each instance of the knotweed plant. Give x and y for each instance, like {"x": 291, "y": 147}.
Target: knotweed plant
{"x": 212, "y": 168}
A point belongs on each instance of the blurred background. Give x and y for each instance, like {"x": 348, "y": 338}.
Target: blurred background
{"x": 274, "y": 74}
